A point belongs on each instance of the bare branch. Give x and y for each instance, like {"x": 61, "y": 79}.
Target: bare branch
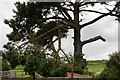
{"x": 94, "y": 20}
{"x": 86, "y": 3}
{"x": 62, "y": 13}
{"x": 93, "y": 39}
{"x": 93, "y": 11}
{"x": 115, "y": 15}
{"x": 101, "y": 16}
{"x": 115, "y": 6}
{"x": 66, "y": 13}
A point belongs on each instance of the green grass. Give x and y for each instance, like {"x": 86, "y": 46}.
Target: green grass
{"x": 18, "y": 68}
{"x": 96, "y": 66}
{"x": 19, "y": 74}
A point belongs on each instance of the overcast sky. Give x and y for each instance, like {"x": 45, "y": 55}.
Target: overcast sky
{"x": 98, "y": 50}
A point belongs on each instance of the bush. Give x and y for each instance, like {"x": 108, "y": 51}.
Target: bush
{"x": 80, "y": 64}
{"x": 5, "y": 66}
{"x": 60, "y": 71}
{"x": 113, "y": 68}
{"x": 46, "y": 66}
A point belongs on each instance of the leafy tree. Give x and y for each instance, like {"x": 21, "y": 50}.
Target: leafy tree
{"x": 34, "y": 19}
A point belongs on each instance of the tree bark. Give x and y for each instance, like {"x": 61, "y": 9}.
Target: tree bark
{"x": 77, "y": 29}
{"x": 77, "y": 42}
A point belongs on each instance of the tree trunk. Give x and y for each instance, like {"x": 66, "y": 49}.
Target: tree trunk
{"x": 77, "y": 45}
{"x": 77, "y": 42}
{"x": 77, "y": 35}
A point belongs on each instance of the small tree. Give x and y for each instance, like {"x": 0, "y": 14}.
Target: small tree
{"x": 33, "y": 57}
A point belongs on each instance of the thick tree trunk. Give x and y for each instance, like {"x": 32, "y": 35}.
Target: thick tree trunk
{"x": 77, "y": 35}
{"x": 77, "y": 42}
{"x": 77, "y": 46}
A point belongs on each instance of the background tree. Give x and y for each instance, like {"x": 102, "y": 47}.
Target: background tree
{"x": 5, "y": 66}
{"x": 11, "y": 55}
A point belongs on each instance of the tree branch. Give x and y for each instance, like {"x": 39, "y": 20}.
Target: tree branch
{"x": 62, "y": 13}
{"x": 59, "y": 36}
{"x": 93, "y": 11}
{"x": 115, "y": 6}
{"x": 93, "y": 39}
{"x": 50, "y": 44}
{"x": 86, "y": 3}
{"x": 94, "y": 20}
{"x": 68, "y": 22}
{"x": 101, "y": 16}
{"x": 66, "y": 13}
{"x": 65, "y": 21}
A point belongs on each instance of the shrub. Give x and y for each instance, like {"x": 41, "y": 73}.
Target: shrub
{"x": 60, "y": 71}
{"x": 46, "y": 66}
{"x": 113, "y": 68}
{"x": 80, "y": 64}
{"x": 5, "y": 66}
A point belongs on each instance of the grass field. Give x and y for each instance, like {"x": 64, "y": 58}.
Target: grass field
{"x": 19, "y": 74}
{"x": 96, "y": 66}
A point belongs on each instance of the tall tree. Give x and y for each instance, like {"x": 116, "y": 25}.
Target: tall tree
{"x": 31, "y": 16}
